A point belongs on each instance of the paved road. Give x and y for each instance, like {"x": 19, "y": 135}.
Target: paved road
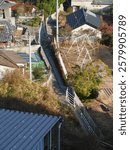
{"x": 57, "y": 80}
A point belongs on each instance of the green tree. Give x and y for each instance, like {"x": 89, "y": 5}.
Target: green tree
{"x": 69, "y": 10}
{"x": 49, "y": 6}
{"x": 34, "y": 22}
{"x": 107, "y": 34}
{"x": 38, "y": 72}
{"x": 86, "y": 81}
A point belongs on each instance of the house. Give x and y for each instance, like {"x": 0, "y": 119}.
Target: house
{"x": 6, "y": 32}
{"x": 91, "y": 4}
{"x": 82, "y": 20}
{"x": 5, "y": 10}
{"x": 28, "y": 131}
{"x": 9, "y": 60}
{"x": 7, "y": 23}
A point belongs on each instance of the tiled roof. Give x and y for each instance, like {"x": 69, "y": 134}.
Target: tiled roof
{"x": 1, "y": 2}
{"x": 12, "y": 56}
{"x": 82, "y": 17}
{"x": 5, "y": 3}
{"x": 6, "y": 32}
{"x": 5, "y": 62}
{"x": 103, "y": 2}
{"x": 24, "y": 131}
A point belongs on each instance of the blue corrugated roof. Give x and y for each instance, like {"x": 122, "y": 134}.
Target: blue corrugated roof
{"x": 82, "y": 17}
{"x": 24, "y": 131}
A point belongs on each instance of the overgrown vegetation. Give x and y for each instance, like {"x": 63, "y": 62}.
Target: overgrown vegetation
{"x": 34, "y": 22}
{"x": 107, "y": 34}
{"x": 65, "y": 29}
{"x": 69, "y": 10}
{"x": 87, "y": 80}
{"x": 49, "y": 6}
{"x": 17, "y": 92}
{"x": 15, "y": 84}
{"x": 39, "y": 72}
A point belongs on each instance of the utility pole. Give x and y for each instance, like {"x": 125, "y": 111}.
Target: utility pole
{"x": 30, "y": 60}
{"x": 57, "y": 24}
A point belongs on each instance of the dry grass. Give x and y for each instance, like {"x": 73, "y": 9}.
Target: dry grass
{"x": 18, "y": 93}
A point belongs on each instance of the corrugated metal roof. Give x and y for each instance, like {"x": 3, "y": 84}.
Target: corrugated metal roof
{"x": 24, "y": 131}
{"x": 82, "y": 17}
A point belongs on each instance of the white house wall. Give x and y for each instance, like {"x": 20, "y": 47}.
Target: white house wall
{"x": 8, "y": 15}
{"x": 1, "y": 14}
{"x": 3, "y": 70}
{"x": 7, "y": 12}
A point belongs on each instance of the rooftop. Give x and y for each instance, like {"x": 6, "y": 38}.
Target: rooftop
{"x": 97, "y": 2}
{"x": 103, "y": 2}
{"x": 24, "y": 131}
{"x": 5, "y": 62}
{"x": 11, "y": 56}
{"x": 1, "y": 2}
{"x": 82, "y": 17}
{"x": 6, "y": 3}
{"x": 6, "y": 30}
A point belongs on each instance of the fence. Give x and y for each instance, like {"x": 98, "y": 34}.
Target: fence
{"x": 84, "y": 118}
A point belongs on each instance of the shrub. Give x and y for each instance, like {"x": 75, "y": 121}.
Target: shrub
{"x": 15, "y": 84}
{"x": 86, "y": 81}
{"x": 38, "y": 72}
{"x": 107, "y": 39}
{"x": 69, "y": 10}
{"x": 107, "y": 34}
{"x": 34, "y": 22}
